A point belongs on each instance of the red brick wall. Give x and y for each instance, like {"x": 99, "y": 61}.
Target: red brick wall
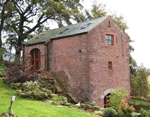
{"x": 100, "y": 53}
{"x": 84, "y": 58}
{"x": 70, "y": 55}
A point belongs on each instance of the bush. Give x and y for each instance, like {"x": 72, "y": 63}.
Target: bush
{"x": 128, "y": 111}
{"x": 145, "y": 113}
{"x": 16, "y": 86}
{"x": 19, "y": 74}
{"x": 32, "y": 90}
{"x": 120, "y": 113}
{"x": 100, "y": 113}
{"x": 117, "y": 98}
{"x": 139, "y": 103}
{"x": 59, "y": 100}
{"x": 31, "y": 86}
{"x": 2, "y": 73}
{"x": 27, "y": 86}
{"x": 88, "y": 105}
{"x": 109, "y": 112}
{"x": 5, "y": 114}
{"x": 96, "y": 108}
{"x": 38, "y": 95}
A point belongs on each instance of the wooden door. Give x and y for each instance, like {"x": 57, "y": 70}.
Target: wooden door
{"x": 106, "y": 102}
{"x": 35, "y": 59}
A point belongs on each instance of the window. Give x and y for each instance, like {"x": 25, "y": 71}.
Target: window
{"x": 109, "y": 24}
{"x": 35, "y": 59}
{"x": 109, "y": 65}
{"x": 109, "y": 40}
{"x": 86, "y": 25}
{"x": 101, "y": 39}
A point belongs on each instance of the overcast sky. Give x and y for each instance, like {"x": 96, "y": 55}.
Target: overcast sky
{"x": 136, "y": 14}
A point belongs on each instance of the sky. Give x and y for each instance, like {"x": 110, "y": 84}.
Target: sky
{"x": 136, "y": 14}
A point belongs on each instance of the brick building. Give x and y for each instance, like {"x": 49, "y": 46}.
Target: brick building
{"x": 93, "y": 54}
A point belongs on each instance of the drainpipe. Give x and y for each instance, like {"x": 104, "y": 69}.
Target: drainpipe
{"x": 47, "y": 68}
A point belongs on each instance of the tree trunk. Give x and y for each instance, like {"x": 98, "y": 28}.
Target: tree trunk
{"x": 0, "y": 38}
{"x": 1, "y": 58}
{"x": 17, "y": 56}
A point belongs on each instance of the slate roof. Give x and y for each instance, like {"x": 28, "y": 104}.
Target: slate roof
{"x": 70, "y": 30}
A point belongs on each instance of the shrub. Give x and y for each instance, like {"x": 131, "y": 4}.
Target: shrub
{"x": 87, "y": 106}
{"x": 100, "y": 113}
{"x": 31, "y": 86}
{"x": 96, "y": 108}
{"x": 5, "y": 114}
{"x": 128, "y": 111}
{"x": 15, "y": 86}
{"x": 139, "y": 103}
{"x": 2, "y": 73}
{"x": 109, "y": 112}
{"x": 145, "y": 113}
{"x": 117, "y": 98}
{"x": 120, "y": 113}
{"x": 38, "y": 95}
{"x": 27, "y": 86}
{"x": 16, "y": 74}
{"x": 60, "y": 100}
{"x": 32, "y": 90}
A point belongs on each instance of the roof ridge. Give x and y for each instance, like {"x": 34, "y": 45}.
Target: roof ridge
{"x": 78, "y": 23}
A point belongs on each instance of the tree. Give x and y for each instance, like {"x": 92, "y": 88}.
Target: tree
{"x": 133, "y": 65}
{"x": 139, "y": 82}
{"x": 9, "y": 44}
{"x": 98, "y": 10}
{"x": 36, "y": 12}
{"x": 4, "y": 14}
{"x": 142, "y": 75}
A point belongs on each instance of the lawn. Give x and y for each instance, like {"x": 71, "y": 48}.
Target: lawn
{"x": 32, "y": 108}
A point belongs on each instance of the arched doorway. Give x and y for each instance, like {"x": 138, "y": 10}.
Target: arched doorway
{"x": 106, "y": 102}
{"x": 35, "y": 59}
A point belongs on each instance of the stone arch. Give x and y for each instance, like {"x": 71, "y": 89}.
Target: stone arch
{"x": 106, "y": 92}
{"x": 104, "y": 95}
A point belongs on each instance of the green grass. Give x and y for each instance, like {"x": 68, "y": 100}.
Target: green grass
{"x": 32, "y": 108}
{"x": 149, "y": 79}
